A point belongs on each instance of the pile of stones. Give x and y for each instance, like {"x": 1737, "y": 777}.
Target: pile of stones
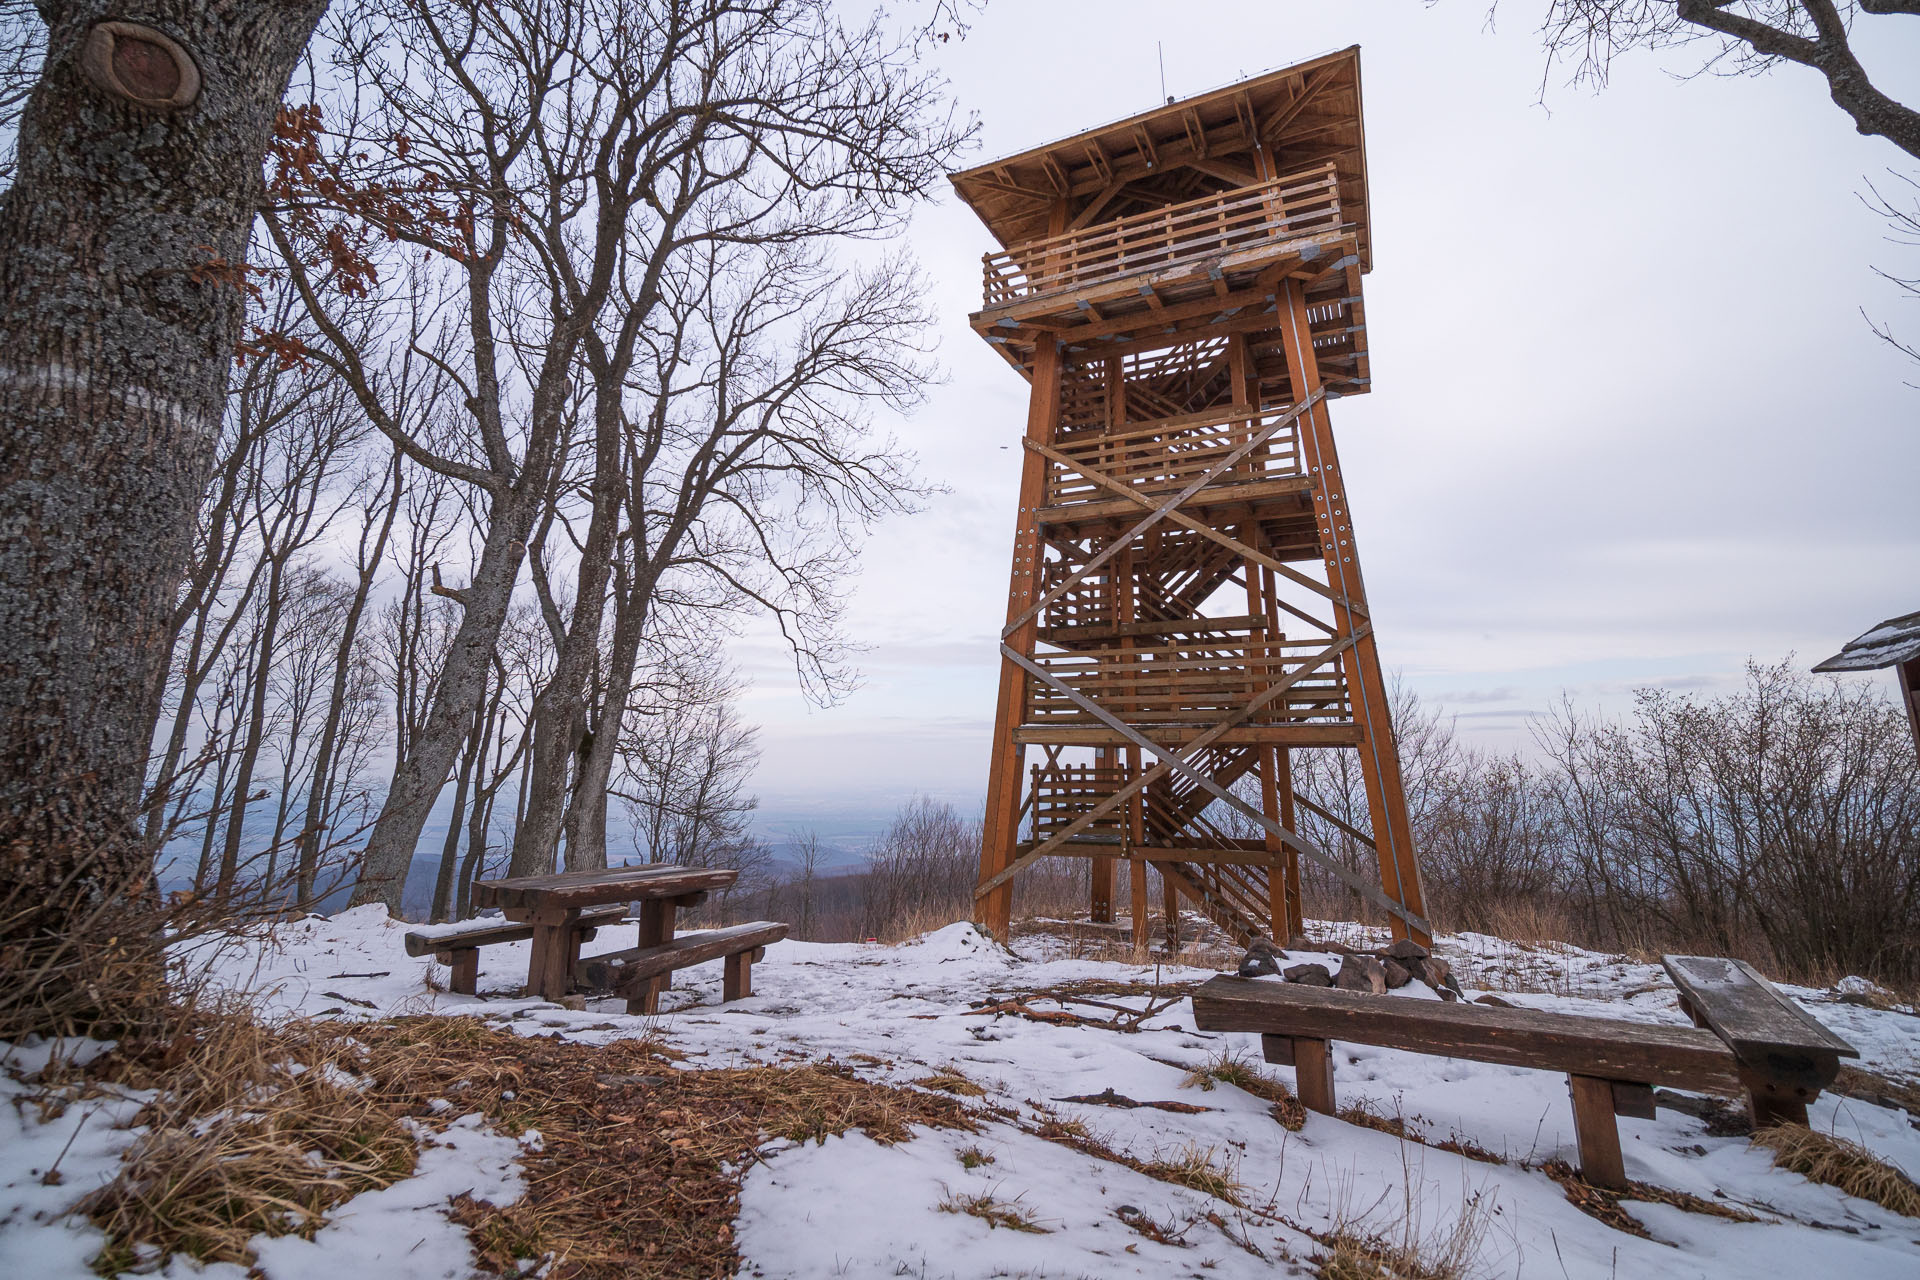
{"x": 1376, "y": 971}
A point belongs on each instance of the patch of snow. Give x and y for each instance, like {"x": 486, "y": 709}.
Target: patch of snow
{"x": 850, "y": 1207}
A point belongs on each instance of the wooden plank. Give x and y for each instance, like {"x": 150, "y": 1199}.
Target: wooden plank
{"x": 1596, "y": 1132}
{"x": 1608, "y": 1048}
{"x": 623, "y": 971}
{"x": 1634, "y": 1100}
{"x": 592, "y": 888}
{"x": 1750, "y": 1013}
{"x": 1083, "y": 734}
{"x": 488, "y": 933}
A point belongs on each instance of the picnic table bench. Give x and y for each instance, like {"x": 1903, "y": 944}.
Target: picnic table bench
{"x": 458, "y": 945}
{"x": 636, "y": 973}
{"x": 553, "y": 905}
{"x": 1612, "y": 1065}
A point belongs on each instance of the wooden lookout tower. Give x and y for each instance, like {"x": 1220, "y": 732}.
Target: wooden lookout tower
{"x": 1183, "y": 291}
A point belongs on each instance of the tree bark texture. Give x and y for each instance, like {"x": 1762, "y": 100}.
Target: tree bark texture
{"x": 122, "y": 251}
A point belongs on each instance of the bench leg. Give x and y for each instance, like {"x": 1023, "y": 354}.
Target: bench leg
{"x": 1594, "y": 1129}
{"x": 463, "y": 971}
{"x": 737, "y": 981}
{"x": 550, "y": 971}
{"x": 1773, "y": 1101}
{"x": 1313, "y": 1074}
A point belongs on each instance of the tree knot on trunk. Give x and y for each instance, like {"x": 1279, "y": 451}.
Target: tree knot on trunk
{"x": 140, "y": 65}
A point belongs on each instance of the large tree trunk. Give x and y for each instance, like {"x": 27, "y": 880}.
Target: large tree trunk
{"x": 121, "y": 246}
{"x": 431, "y": 756}
{"x": 560, "y": 709}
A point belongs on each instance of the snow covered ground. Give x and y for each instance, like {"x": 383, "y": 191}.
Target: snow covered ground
{"x": 851, "y": 1207}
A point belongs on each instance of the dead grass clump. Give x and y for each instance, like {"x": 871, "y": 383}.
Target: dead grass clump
{"x": 1883, "y": 1091}
{"x": 1198, "y": 1169}
{"x": 951, "y": 1080}
{"x": 1364, "y": 1114}
{"x": 1238, "y": 1070}
{"x": 639, "y": 1169}
{"x": 993, "y": 1212}
{"x": 1604, "y": 1205}
{"x": 259, "y": 1129}
{"x": 1353, "y": 1257}
{"x": 1390, "y": 1241}
{"x": 1291, "y": 1113}
{"x": 974, "y": 1157}
{"x": 1155, "y": 1230}
{"x": 1847, "y": 1166}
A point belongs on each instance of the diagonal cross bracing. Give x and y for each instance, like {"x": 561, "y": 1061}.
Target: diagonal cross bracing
{"x": 1194, "y": 486}
{"x": 1177, "y": 761}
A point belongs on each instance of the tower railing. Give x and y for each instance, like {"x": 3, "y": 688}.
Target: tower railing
{"x": 1285, "y": 208}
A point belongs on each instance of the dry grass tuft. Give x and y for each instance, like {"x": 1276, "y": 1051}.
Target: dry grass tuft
{"x": 1353, "y": 1257}
{"x": 1604, "y": 1205}
{"x": 993, "y": 1212}
{"x": 1364, "y": 1114}
{"x": 1240, "y": 1071}
{"x": 260, "y": 1129}
{"x": 1198, "y": 1169}
{"x": 1391, "y": 1242}
{"x": 951, "y": 1080}
{"x": 1847, "y": 1166}
{"x": 974, "y": 1157}
{"x": 1291, "y": 1113}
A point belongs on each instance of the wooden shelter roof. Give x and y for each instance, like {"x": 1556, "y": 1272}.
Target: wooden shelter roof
{"x": 1304, "y": 114}
{"x": 1894, "y": 641}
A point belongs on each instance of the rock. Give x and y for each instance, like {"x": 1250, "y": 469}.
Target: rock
{"x": 1259, "y": 964}
{"x": 1435, "y": 972}
{"x": 1406, "y": 949}
{"x": 1447, "y": 994}
{"x": 1362, "y": 973}
{"x": 1311, "y": 975}
{"x": 1495, "y": 1001}
{"x": 1267, "y": 945}
{"x": 1398, "y": 975}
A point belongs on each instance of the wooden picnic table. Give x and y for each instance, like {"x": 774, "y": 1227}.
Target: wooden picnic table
{"x": 552, "y": 905}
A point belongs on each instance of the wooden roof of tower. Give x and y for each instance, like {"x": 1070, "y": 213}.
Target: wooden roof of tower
{"x": 1305, "y": 114}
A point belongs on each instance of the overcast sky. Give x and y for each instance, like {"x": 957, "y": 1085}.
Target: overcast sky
{"x": 1627, "y": 425}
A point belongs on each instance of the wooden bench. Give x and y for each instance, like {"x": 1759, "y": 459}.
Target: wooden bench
{"x": 1784, "y": 1057}
{"x": 1611, "y": 1065}
{"x": 553, "y": 904}
{"x": 636, "y": 973}
{"x": 458, "y": 946}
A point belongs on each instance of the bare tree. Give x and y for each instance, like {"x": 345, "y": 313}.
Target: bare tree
{"x": 686, "y": 760}
{"x": 1748, "y": 37}
{"x": 1741, "y": 37}
{"x": 547, "y": 162}
{"x": 806, "y": 847}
